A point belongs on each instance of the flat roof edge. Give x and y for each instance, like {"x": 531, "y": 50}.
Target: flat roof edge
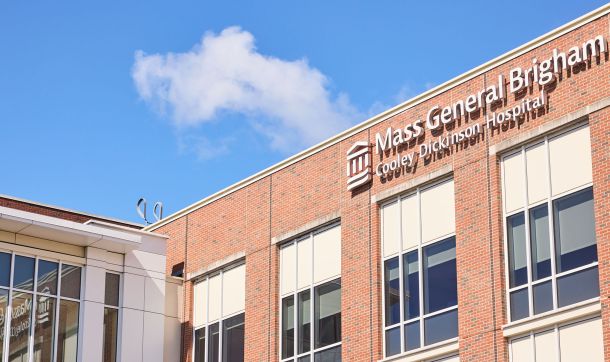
{"x": 68, "y": 210}
{"x": 464, "y": 77}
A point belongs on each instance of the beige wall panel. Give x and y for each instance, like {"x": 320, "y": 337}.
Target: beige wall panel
{"x": 570, "y": 159}
{"x": 327, "y": 254}
{"x": 214, "y": 298}
{"x": 390, "y": 229}
{"x": 304, "y": 262}
{"x": 513, "y": 182}
{"x": 582, "y": 341}
{"x": 546, "y": 346}
{"x": 537, "y": 173}
{"x": 437, "y": 211}
{"x": 521, "y": 350}
{"x": 200, "y": 303}
{"x": 410, "y": 222}
{"x": 288, "y": 268}
{"x": 234, "y": 290}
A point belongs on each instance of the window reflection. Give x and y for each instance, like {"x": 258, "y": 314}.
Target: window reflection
{"x": 392, "y": 292}
{"x": 288, "y": 327}
{"x": 67, "y": 337}
{"x": 23, "y": 275}
{"x": 70, "y": 281}
{"x": 3, "y": 315}
{"x": 213, "y": 343}
{"x": 541, "y": 247}
{"x": 43, "y": 328}
{"x": 38, "y": 324}
{"x": 20, "y": 326}
{"x": 517, "y": 250}
{"x": 111, "y": 320}
{"x": 440, "y": 277}
{"x": 200, "y": 345}
{"x": 304, "y": 314}
{"x": 411, "y": 285}
{"x": 111, "y": 295}
{"x": 327, "y": 313}
{"x": 233, "y": 339}
{"x": 5, "y": 269}
{"x": 575, "y": 231}
{"x": 47, "y": 277}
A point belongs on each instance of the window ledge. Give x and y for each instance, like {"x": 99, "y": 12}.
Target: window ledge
{"x": 440, "y": 349}
{"x": 549, "y": 319}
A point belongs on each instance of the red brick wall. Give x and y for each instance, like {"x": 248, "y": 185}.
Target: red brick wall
{"x": 247, "y": 219}
{"x": 600, "y": 132}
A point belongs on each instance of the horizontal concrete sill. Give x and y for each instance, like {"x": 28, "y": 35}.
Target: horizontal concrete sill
{"x": 327, "y": 219}
{"x": 231, "y": 259}
{"x": 549, "y": 127}
{"x": 412, "y": 184}
{"x": 549, "y": 319}
{"x": 438, "y": 350}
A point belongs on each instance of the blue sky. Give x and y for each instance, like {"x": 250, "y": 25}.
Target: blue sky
{"x": 104, "y": 102}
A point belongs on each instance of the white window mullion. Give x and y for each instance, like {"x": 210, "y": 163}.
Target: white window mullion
{"x": 528, "y": 247}
{"x": 220, "y": 341}
{"x": 33, "y": 313}
{"x": 312, "y": 337}
{"x": 558, "y": 344}
{"x": 550, "y": 212}
{"x": 420, "y": 266}
{"x": 400, "y": 278}
{"x": 55, "y": 337}
{"x": 9, "y": 312}
{"x": 295, "y": 299}
{"x": 506, "y": 257}
{"x": 207, "y": 320}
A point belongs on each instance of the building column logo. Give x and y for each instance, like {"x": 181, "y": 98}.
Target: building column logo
{"x": 358, "y": 165}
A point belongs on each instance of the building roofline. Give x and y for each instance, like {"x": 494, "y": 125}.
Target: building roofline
{"x": 462, "y": 78}
{"x": 92, "y": 216}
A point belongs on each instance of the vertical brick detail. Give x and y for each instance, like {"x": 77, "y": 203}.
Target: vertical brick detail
{"x": 599, "y": 125}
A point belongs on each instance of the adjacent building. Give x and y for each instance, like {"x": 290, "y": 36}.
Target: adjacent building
{"x": 80, "y": 287}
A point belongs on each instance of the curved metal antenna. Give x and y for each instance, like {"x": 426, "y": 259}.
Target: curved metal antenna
{"x": 158, "y": 210}
{"x": 141, "y": 209}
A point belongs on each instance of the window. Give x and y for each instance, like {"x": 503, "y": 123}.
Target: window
{"x": 580, "y": 341}
{"x": 40, "y": 306}
{"x": 420, "y": 279}
{"x": 310, "y": 288}
{"x": 111, "y": 316}
{"x": 550, "y": 228}
{"x": 219, "y": 303}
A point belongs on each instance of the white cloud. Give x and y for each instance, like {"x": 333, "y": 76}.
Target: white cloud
{"x": 288, "y": 101}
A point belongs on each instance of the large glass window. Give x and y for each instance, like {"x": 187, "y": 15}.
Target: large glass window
{"x": 31, "y": 305}
{"x": 219, "y": 319}
{"x": 550, "y": 226}
{"x": 420, "y": 280}
{"x": 310, "y": 270}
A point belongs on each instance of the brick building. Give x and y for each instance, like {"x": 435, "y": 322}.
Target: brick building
{"x": 469, "y": 223}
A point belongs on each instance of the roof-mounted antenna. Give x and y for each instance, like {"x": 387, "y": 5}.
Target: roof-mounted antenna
{"x": 157, "y": 210}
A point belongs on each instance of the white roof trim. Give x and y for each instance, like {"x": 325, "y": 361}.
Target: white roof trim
{"x": 464, "y": 77}
{"x": 65, "y": 231}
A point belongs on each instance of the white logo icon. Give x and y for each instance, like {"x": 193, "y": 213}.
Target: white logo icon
{"x": 358, "y": 165}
